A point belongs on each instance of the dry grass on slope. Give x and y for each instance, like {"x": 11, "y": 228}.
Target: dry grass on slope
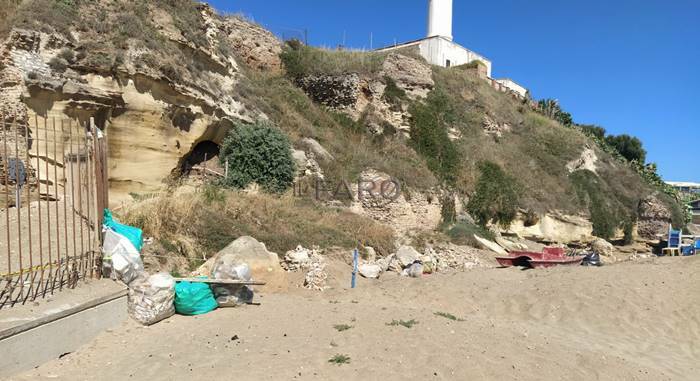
{"x": 212, "y": 218}
{"x": 354, "y": 149}
{"x": 534, "y": 152}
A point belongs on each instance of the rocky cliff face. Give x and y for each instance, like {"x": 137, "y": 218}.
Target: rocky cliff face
{"x": 654, "y": 218}
{"x": 167, "y": 80}
{"x": 154, "y": 119}
{"x": 365, "y": 96}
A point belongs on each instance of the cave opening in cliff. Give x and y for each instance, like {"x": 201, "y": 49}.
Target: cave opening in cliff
{"x": 204, "y": 155}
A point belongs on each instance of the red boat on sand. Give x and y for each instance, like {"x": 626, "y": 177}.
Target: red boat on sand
{"x": 549, "y": 257}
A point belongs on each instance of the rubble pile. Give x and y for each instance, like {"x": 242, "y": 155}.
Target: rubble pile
{"x": 407, "y": 261}
{"x": 311, "y": 261}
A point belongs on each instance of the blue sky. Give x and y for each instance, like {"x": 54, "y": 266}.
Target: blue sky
{"x": 631, "y": 66}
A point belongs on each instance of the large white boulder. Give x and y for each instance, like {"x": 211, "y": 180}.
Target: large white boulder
{"x": 264, "y": 265}
{"x": 603, "y": 247}
{"x": 490, "y": 245}
{"x": 406, "y": 255}
{"x": 369, "y": 270}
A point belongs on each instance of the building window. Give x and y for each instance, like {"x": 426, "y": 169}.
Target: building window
{"x": 448, "y": 63}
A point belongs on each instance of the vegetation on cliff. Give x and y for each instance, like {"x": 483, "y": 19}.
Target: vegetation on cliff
{"x": 258, "y": 153}
{"x": 498, "y": 155}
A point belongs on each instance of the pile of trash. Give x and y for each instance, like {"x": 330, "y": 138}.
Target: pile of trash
{"x": 152, "y": 298}
{"x": 227, "y": 268}
{"x": 311, "y": 261}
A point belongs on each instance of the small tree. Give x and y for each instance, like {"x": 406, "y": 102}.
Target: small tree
{"x": 630, "y": 147}
{"x": 258, "y": 153}
{"x": 593, "y": 130}
{"x": 496, "y": 198}
{"x": 552, "y": 109}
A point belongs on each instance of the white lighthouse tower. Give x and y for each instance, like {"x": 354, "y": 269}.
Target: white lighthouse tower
{"x": 438, "y": 47}
{"x": 440, "y": 19}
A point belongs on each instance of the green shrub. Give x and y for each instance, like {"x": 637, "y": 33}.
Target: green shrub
{"x": 603, "y": 219}
{"x": 339, "y": 359}
{"x": 496, "y": 198}
{"x": 462, "y": 233}
{"x": 472, "y": 65}
{"x": 448, "y": 211}
{"x": 593, "y": 130}
{"x": 58, "y": 64}
{"x": 258, "y": 153}
{"x": 67, "y": 54}
{"x": 393, "y": 94}
{"x": 604, "y": 214}
{"x": 628, "y": 229}
{"x": 211, "y": 193}
{"x": 630, "y": 147}
{"x": 429, "y": 125}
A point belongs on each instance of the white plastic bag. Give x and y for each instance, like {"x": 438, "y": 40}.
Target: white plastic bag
{"x": 151, "y": 299}
{"x": 121, "y": 259}
{"x": 229, "y": 295}
{"x": 414, "y": 271}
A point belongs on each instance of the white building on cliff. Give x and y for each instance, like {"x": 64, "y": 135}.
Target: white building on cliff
{"x": 438, "y": 48}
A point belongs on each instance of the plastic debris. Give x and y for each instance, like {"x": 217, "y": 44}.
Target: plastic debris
{"x": 133, "y": 234}
{"x": 121, "y": 260}
{"x": 194, "y": 298}
{"x": 228, "y": 295}
{"x": 151, "y": 299}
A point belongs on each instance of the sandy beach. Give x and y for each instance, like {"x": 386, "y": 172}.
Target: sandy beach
{"x": 629, "y": 321}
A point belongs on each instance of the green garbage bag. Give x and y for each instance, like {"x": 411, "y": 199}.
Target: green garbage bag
{"x": 194, "y": 298}
{"x": 134, "y": 235}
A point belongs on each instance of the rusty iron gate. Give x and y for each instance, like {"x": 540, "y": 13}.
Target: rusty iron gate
{"x": 53, "y": 188}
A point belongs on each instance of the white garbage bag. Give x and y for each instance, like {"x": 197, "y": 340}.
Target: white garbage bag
{"x": 230, "y": 295}
{"x": 414, "y": 271}
{"x": 121, "y": 260}
{"x": 151, "y": 299}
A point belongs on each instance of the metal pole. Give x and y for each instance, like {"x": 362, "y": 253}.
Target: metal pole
{"x": 48, "y": 206}
{"x": 38, "y": 187}
{"x": 7, "y": 197}
{"x": 59, "y": 272}
{"x": 29, "y": 207}
{"x": 355, "y": 255}
{"x": 90, "y": 189}
{"x": 65, "y": 193}
{"x": 81, "y": 147}
{"x": 19, "y": 211}
{"x": 72, "y": 193}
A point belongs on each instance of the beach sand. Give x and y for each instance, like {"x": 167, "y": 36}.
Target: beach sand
{"x": 629, "y": 321}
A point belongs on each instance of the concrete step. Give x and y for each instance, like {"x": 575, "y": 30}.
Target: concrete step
{"x": 37, "y": 332}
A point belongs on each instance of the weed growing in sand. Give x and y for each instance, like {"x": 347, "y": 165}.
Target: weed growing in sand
{"x": 342, "y": 327}
{"x": 339, "y": 359}
{"x": 403, "y": 323}
{"x": 447, "y": 315}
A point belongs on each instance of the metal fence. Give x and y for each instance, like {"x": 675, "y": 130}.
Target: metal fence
{"x": 53, "y": 188}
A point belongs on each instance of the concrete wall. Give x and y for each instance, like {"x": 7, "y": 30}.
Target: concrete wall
{"x": 511, "y": 85}
{"x": 437, "y": 50}
{"x": 31, "y": 335}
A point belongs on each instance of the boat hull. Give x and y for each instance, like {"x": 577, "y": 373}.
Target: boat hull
{"x": 549, "y": 257}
